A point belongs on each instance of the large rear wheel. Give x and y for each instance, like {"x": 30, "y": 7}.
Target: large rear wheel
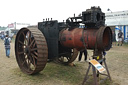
{"x": 31, "y": 50}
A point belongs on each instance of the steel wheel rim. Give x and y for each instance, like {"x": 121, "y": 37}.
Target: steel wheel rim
{"x": 27, "y": 50}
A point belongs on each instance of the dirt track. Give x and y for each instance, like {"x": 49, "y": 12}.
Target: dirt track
{"x": 118, "y": 64}
{"x": 10, "y": 74}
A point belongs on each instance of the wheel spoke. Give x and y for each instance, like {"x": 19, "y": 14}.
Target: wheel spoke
{"x": 29, "y": 36}
{"x": 33, "y": 60}
{"x": 24, "y": 61}
{"x": 34, "y": 44}
{"x": 20, "y": 53}
{"x": 34, "y": 63}
{"x": 25, "y": 39}
{"x": 33, "y": 49}
{"x": 31, "y": 43}
{"x": 21, "y": 42}
{"x": 33, "y": 54}
{"x": 24, "y": 35}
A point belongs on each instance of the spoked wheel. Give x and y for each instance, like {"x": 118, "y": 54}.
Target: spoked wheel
{"x": 68, "y": 57}
{"x": 31, "y": 50}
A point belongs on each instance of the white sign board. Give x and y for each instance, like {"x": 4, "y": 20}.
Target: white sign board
{"x": 97, "y": 65}
{"x": 116, "y": 18}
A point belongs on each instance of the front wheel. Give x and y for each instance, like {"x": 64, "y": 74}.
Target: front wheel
{"x": 68, "y": 57}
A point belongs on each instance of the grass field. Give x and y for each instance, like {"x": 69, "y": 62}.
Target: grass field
{"x": 57, "y": 74}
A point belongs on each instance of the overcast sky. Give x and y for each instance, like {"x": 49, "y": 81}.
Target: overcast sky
{"x": 34, "y": 11}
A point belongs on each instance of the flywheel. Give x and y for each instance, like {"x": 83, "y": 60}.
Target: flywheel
{"x": 31, "y": 50}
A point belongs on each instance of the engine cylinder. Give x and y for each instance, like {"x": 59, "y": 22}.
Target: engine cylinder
{"x": 92, "y": 38}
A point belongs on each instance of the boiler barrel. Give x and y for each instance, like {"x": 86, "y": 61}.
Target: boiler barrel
{"x": 92, "y": 38}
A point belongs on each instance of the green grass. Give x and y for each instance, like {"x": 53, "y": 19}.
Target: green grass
{"x": 125, "y": 44}
{"x": 55, "y": 73}
{"x": 66, "y": 73}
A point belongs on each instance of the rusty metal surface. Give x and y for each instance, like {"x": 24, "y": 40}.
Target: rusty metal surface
{"x": 94, "y": 38}
{"x": 31, "y": 50}
{"x": 74, "y": 55}
{"x": 104, "y": 38}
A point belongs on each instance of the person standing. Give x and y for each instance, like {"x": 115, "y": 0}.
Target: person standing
{"x": 120, "y": 38}
{"x": 113, "y": 38}
{"x": 7, "y": 41}
{"x": 85, "y": 55}
{"x": 2, "y": 37}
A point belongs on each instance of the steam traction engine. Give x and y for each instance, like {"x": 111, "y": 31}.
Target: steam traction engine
{"x": 61, "y": 41}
